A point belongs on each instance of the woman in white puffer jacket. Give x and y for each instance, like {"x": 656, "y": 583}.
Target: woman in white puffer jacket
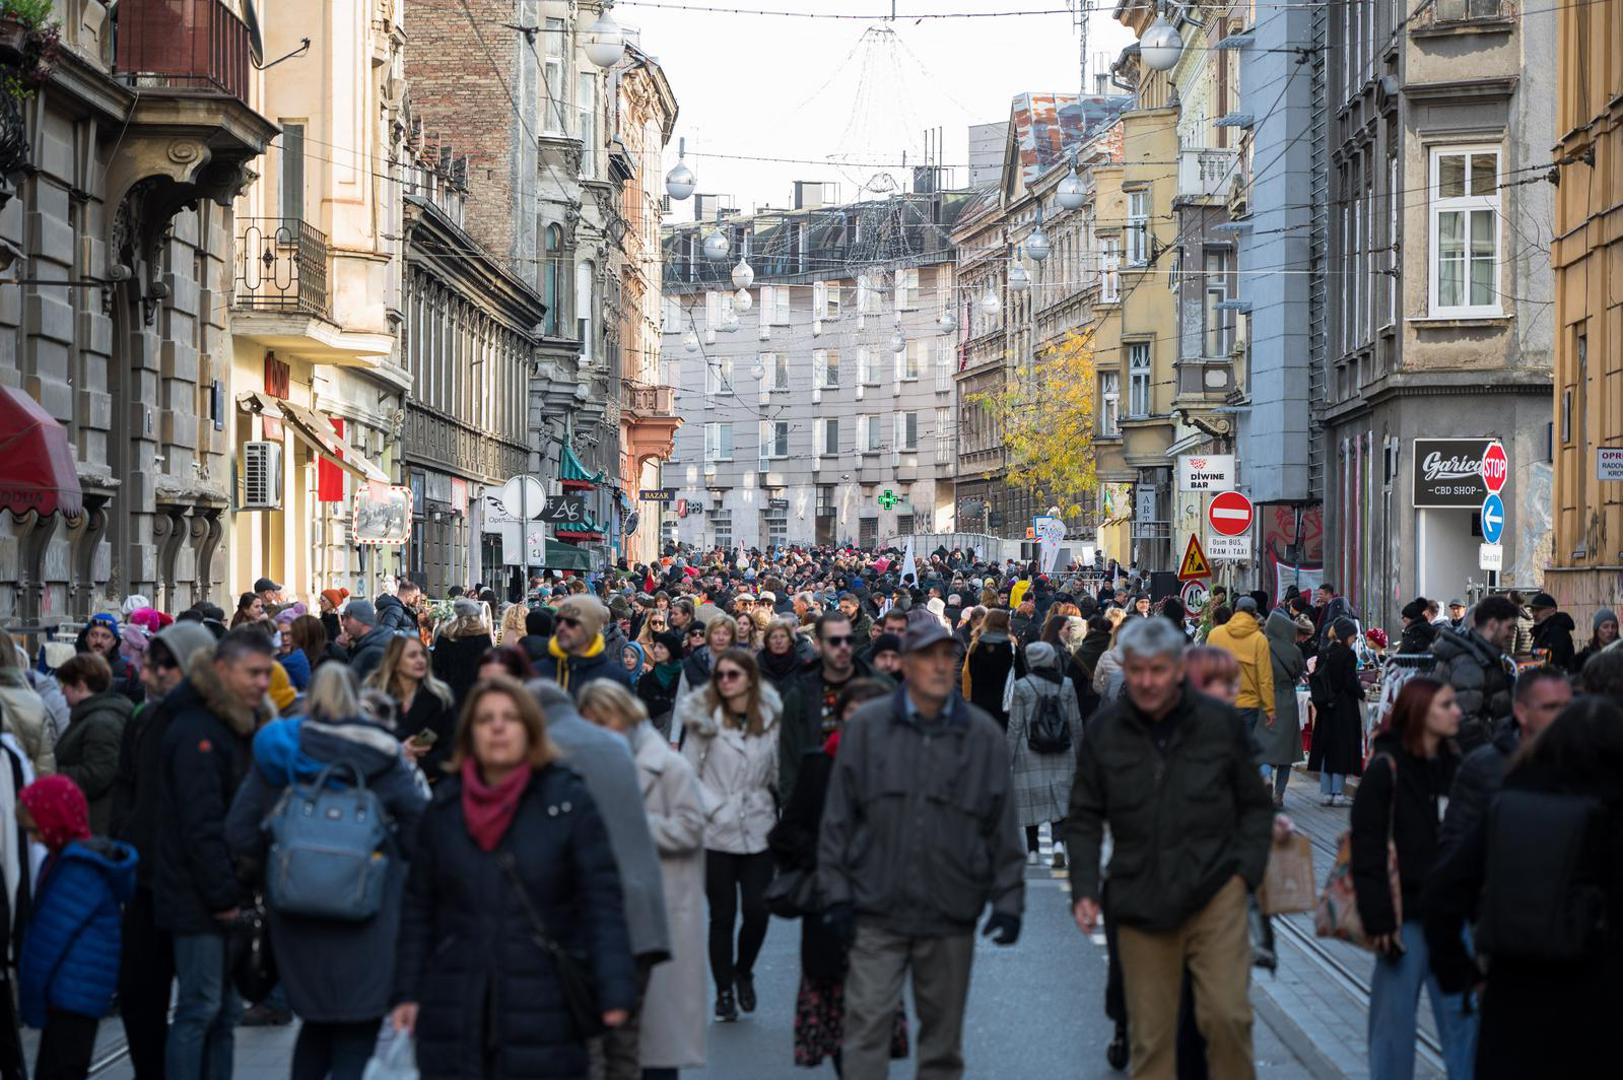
{"x": 729, "y": 733}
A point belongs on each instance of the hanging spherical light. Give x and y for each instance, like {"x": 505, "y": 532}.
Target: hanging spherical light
{"x": 716, "y": 245}
{"x": 1070, "y": 194}
{"x": 742, "y": 300}
{"x": 757, "y": 372}
{"x": 680, "y": 181}
{"x": 990, "y": 304}
{"x": 729, "y": 325}
{"x": 1161, "y": 45}
{"x": 743, "y": 274}
{"x": 948, "y": 323}
{"x": 605, "y": 42}
{"x": 1037, "y": 245}
{"x": 1019, "y": 280}
{"x": 690, "y": 342}
{"x": 898, "y": 342}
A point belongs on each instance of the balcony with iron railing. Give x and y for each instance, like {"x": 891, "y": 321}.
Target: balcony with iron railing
{"x": 183, "y": 44}
{"x": 282, "y": 267}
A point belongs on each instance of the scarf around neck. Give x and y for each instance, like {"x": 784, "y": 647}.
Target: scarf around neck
{"x": 667, "y": 673}
{"x": 595, "y": 649}
{"x": 488, "y": 810}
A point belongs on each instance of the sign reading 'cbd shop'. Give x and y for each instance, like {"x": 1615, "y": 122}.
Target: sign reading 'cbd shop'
{"x": 1448, "y": 472}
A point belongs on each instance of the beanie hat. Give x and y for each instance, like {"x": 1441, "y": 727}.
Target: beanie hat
{"x": 1603, "y": 615}
{"x": 1415, "y": 609}
{"x": 1040, "y": 654}
{"x": 133, "y": 603}
{"x": 672, "y": 640}
{"x": 886, "y": 643}
{"x": 281, "y": 688}
{"x": 465, "y": 608}
{"x": 61, "y": 814}
{"x": 335, "y": 597}
{"x": 185, "y": 638}
{"x": 362, "y": 612}
{"x": 587, "y": 610}
{"x": 107, "y": 619}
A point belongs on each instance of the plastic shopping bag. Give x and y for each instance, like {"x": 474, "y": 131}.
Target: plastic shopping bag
{"x": 394, "y": 1058}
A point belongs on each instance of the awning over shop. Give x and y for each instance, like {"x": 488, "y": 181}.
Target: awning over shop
{"x": 573, "y": 474}
{"x": 561, "y": 556}
{"x": 36, "y": 459}
{"x": 587, "y": 530}
{"x": 316, "y": 431}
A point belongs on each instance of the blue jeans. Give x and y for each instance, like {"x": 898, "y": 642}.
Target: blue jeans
{"x": 1394, "y": 998}
{"x": 1330, "y": 783}
{"x": 206, "y": 1007}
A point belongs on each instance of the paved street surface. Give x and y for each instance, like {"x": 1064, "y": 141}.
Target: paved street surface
{"x": 1035, "y": 1010}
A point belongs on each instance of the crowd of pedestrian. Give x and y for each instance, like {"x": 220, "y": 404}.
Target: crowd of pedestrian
{"x": 504, "y": 829}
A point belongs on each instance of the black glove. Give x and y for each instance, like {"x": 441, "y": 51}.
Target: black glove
{"x": 841, "y": 921}
{"x": 1002, "y": 929}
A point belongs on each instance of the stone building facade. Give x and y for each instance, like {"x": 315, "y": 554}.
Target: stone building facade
{"x": 121, "y": 174}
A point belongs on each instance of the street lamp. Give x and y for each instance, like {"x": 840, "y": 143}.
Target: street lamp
{"x": 690, "y": 342}
{"x": 1037, "y": 245}
{"x": 947, "y": 323}
{"x": 990, "y": 304}
{"x": 1070, "y": 194}
{"x": 743, "y": 274}
{"x": 1161, "y": 45}
{"x": 898, "y": 343}
{"x": 1019, "y": 280}
{"x": 716, "y": 245}
{"x": 680, "y": 181}
{"x": 605, "y": 42}
{"x": 742, "y": 300}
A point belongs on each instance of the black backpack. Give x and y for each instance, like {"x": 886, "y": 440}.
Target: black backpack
{"x": 1544, "y": 895}
{"x": 1049, "y": 732}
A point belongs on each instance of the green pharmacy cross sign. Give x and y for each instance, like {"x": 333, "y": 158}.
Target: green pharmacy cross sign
{"x": 888, "y": 500}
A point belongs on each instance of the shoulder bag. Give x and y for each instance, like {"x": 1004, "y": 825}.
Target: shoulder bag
{"x": 1337, "y": 913}
{"x": 575, "y": 977}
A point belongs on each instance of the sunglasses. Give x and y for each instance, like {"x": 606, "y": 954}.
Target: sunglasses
{"x": 568, "y": 620}
{"x": 728, "y": 675}
{"x": 845, "y": 640}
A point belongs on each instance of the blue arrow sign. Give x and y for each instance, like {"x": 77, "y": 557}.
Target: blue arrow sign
{"x": 1493, "y": 519}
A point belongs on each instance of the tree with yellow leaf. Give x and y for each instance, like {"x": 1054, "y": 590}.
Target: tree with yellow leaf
{"x": 1045, "y": 412}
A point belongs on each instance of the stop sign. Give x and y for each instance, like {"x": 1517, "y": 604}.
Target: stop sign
{"x": 1230, "y": 514}
{"x": 1495, "y": 467}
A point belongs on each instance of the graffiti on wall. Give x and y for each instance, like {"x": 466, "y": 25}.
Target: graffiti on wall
{"x": 1293, "y": 545}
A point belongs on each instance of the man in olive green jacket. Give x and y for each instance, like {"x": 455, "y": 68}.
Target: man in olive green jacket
{"x": 1170, "y": 771}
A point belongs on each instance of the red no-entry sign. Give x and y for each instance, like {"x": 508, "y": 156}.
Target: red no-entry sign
{"x": 1230, "y": 514}
{"x": 1495, "y": 467}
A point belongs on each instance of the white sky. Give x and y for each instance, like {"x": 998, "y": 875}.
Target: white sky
{"x": 771, "y": 86}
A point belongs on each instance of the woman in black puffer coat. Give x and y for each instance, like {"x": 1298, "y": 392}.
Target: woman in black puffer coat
{"x": 482, "y": 997}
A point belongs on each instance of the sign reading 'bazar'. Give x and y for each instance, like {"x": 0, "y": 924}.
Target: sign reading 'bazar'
{"x": 1448, "y": 472}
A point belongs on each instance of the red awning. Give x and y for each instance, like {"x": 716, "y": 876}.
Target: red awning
{"x": 36, "y": 459}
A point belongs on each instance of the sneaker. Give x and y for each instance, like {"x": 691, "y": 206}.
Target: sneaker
{"x": 726, "y": 1009}
{"x": 746, "y": 992}
{"x": 1328, "y": 800}
{"x": 1058, "y": 862}
{"x": 1033, "y": 858}
{"x": 263, "y": 1015}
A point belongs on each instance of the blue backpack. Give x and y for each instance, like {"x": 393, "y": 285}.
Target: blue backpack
{"x": 326, "y": 860}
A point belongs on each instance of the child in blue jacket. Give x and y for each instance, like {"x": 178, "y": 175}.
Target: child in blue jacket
{"x": 69, "y": 968}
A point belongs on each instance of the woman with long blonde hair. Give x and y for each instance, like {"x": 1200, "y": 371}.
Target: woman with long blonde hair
{"x": 513, "y": 624}
{"x": 731, "y": 738}
{"x": 426, "y": 707}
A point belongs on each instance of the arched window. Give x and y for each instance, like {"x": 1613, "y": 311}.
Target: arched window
{"x": 552, "y": 272}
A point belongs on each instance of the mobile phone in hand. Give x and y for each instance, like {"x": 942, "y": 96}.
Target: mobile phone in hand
{"x": 425, "y": 738}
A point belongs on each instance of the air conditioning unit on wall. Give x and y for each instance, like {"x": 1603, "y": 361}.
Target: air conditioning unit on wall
{"x": 261, "y": 476}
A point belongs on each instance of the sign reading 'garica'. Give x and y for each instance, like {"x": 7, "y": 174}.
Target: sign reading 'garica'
{"x": 1448, "y": 472}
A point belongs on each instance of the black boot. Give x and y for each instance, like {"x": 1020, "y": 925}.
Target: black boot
{"x": 726, "y": 1009}
{"x": 1116, "y": 1053}
{"x": 746, "y": 992}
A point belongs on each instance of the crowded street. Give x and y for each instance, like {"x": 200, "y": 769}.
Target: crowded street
{"x": 947, "y": 539}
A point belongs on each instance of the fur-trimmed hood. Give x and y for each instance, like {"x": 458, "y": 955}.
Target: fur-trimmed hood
{"x": 693, "y": 714}
{"x": 242, "y": 719}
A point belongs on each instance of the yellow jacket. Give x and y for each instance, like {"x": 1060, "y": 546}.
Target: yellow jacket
{"x": 1244, "y": 640}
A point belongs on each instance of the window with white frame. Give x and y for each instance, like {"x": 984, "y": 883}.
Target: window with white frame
{"x": 1109, "y": 270}
{"x": 1465, "y": 230}
{"x": 1138, "y": 379}
{"x": 718, "y": 441}
{"x": 907, "y": 432}
{"x": 826, "y": 299}
{"x": 869, "y": 435}
{"x": 774, "y": 305}
{"x": 1110, "y": 404}
{"x": 907, "y": 289}
{"x": 777, "y": 370}
{"x": 552, "y": 72}
{"x": 1219, "y": 328}
{"x": 867, "y": 296}
{"x": 831, "y": 371}
{"x": 828, "y": 436}
{"x": 672, "y": 316}
{"x": 780, "y": 438}
{"x": 1138, "y": 228}
{"x": 909, "y": 359}
{"x": 718, "y": 375}
{"x": 866, "y": 375}
{"x": 722, "y": 522}
{"x": 777, "y": 527}
{"x": 943, "y": 431}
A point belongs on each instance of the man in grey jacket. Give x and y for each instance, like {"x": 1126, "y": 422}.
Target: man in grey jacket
{"x": 918, "y": 835}
{"x": 604, "y": 761}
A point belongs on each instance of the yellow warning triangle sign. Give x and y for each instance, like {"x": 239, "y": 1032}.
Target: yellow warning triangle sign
{"x": 1195, "y": 564}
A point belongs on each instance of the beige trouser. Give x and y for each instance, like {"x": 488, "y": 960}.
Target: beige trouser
{"x": 1215, "y": 945}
